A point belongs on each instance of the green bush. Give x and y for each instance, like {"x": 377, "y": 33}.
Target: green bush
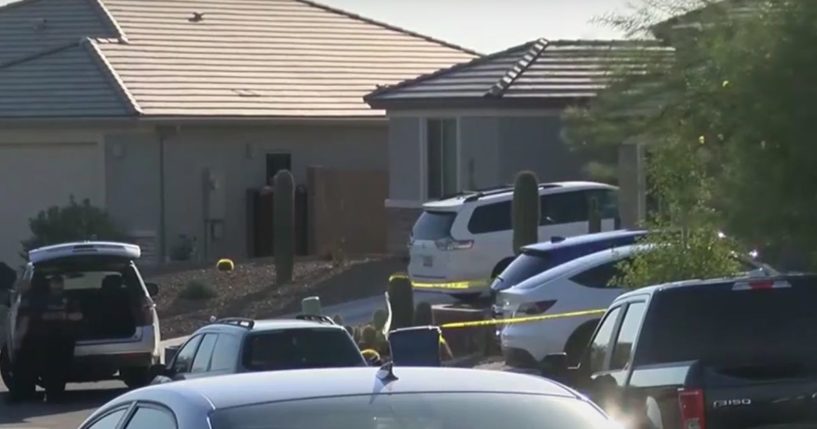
{"x": 73, "y": 222}
{"x": 284, "y": 226}
{"x": 526, "y": 210}
{"x": 198, "y": 291}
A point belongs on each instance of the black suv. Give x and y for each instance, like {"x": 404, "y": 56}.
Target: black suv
{"x": 729, "y": 353}
{"x": 237, "y": 345}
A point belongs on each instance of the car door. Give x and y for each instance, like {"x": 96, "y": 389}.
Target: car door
{"x": 225, "y": 354}
{"x": 595, "y": 379}
{"x": 200, "y": 365}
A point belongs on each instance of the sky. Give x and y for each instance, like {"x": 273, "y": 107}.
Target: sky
{"x": 489, "y": 25}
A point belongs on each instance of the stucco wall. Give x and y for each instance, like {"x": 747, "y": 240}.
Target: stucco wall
{"x": 534, "y": 143}
{"x": 479, "y": 151}
{"x": 404, "y": 159}
{"x": 237, "y": 156}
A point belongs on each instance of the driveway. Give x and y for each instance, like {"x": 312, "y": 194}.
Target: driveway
{"x": 84, "y": 398}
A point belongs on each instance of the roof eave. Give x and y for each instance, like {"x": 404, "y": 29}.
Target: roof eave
{"x": 482, "y": 102}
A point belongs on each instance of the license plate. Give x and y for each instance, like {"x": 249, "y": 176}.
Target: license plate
{"x": 428, "y": 261}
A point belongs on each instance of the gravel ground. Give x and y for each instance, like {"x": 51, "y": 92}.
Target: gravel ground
{"x": 249, "y": 291}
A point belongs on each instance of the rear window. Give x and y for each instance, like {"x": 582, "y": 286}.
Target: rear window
{"x": 433, "y": 225}
{"x": 690, "y": 324}
{"x": 89, "y": 273}
{"x": 524, "y": 267}
{"x": 300, "y": 348}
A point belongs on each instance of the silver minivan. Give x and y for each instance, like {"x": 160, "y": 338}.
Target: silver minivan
{"x": 119, "y": 336}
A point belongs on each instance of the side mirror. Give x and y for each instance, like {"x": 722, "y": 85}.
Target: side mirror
{"x": 153, "y": 289}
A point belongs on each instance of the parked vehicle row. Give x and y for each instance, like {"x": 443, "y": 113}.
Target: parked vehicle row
{"x": 460, "y": 244}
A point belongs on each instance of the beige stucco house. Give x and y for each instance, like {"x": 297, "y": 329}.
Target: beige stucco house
{"x": 165, "y": 112}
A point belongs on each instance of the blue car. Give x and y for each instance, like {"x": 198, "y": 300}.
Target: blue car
{"x": 541, "y": 257}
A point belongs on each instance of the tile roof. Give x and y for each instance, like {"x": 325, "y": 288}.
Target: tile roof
{"x": 244, "y": 58}
{"x": 30, "y": 26}
{"x": 67, "y": 81}
{"x": 558, "y": 71}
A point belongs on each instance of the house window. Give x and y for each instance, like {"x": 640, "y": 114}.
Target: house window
{"x": 441, "y": 150}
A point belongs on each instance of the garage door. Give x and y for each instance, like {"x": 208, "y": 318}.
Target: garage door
{"x": 34, "y": 177}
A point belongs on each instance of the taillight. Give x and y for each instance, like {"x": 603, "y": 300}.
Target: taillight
{"x": 691, "y": 402}
{"x": 534, "y": 308}
{"x": 451, "y": 244}
{"x": 761, "y": 285}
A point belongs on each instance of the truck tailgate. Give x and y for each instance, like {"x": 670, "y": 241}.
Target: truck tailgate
{"x": 760, "y": 396}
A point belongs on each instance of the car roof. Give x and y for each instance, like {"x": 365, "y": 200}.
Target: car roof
{"x": 263, "y": 387}
{"x": 582, "y": 239}
{"x": 502, "y": 193}
{"x": 268, "y": 325}
{"x": 652, "y": 290}
{"x": 592, "y": 259}
{"x": 84, "y": 248}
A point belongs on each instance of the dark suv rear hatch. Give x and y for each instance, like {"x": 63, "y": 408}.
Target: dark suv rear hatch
{"x": 754, "y": 344}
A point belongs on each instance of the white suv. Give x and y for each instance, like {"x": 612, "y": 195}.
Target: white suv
{"x": 459, "y": 244}
{"x": 119, "y": 335}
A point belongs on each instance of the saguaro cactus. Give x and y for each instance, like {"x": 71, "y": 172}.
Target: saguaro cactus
{"x": 284, "y": 226}
{"x": 526, "y": 210}
{"x": 423, "y": 314}
{"x": 594, "y": 217}
{"x": 401, "y": 300}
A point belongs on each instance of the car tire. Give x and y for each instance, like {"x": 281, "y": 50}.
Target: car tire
{"x": 135, "y": 378}
{"x": 18, "y": 391}
{"x": 578, "y": 341}
{"x": 5, "y": 368}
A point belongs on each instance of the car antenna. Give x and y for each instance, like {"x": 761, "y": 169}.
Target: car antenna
{"x": 386, "y": 372}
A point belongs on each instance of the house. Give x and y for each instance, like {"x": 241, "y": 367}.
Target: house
{"x": 166, "y": 113}
{"x": 478, "y": 123}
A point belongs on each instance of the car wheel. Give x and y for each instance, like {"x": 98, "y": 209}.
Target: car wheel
{"x": 135, "y": 377}
{"x": 578, "y": 341}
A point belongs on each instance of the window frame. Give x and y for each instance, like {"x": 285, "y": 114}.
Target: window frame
{"x": 628, "y": 364}
{"x": 197, "y": 337}
{"x": 123, "y": 424}
{"x": 126, "y": 407}
{"x": 423, "y": 146}
{"x": 605, "y": 366}
{"x": 206, "y": 369}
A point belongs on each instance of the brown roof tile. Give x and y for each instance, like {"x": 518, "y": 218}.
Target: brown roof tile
{"x": 261, "y": 57}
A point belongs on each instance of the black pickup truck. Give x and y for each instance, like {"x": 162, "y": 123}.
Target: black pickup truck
{"x": 730, "y": 353}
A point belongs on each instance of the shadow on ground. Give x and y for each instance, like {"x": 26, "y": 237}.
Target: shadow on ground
{"x": 75, "y": 400}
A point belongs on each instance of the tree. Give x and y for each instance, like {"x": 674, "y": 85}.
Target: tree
{"x": 73, "y": 222}
{"x": 726, "y": 122}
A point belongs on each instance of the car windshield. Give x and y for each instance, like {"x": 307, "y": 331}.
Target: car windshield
{"x": 433, "y": 225}
{"x": 301, "y": 348}
{"x": 416, "y": 411}
{"x": 690, "y": 324}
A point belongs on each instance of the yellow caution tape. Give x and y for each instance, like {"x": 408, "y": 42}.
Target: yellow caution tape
{"x": 517, "y": 320}
{"x": 398, "y": 276}
{"x": 447, "y": 285}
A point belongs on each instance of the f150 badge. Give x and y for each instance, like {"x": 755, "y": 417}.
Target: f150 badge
{"x": 731, "y": 402}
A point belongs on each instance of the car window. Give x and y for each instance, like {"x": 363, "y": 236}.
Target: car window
{"x": 110, "y": 421}
{"x": 608, "y": 202}
{"x": 622, "y": 351}
{"x": 525, "y": 266}
{"x": 491, "y": 218}
{"x": 225, "y": 355}
{"x": 151, "y": 418}
{"x": 433, "y": 225}
{"x": 564, "y": 207}
{"x": 600, "y": 345}
{"x": 300, "y": 348}
{"x": 416, "y": 411}
{"x": 598, "y": 277}
{"x": 202, "y": 361}
{"x": 184, "y": 357}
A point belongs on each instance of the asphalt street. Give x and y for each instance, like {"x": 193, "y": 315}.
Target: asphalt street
{"x": 83, "y": 399}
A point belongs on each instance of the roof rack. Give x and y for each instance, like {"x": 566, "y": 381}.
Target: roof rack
{"x": 316, "y": 318}
{"x": 241, "y": 322}
{"x": 501, "y": 190}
